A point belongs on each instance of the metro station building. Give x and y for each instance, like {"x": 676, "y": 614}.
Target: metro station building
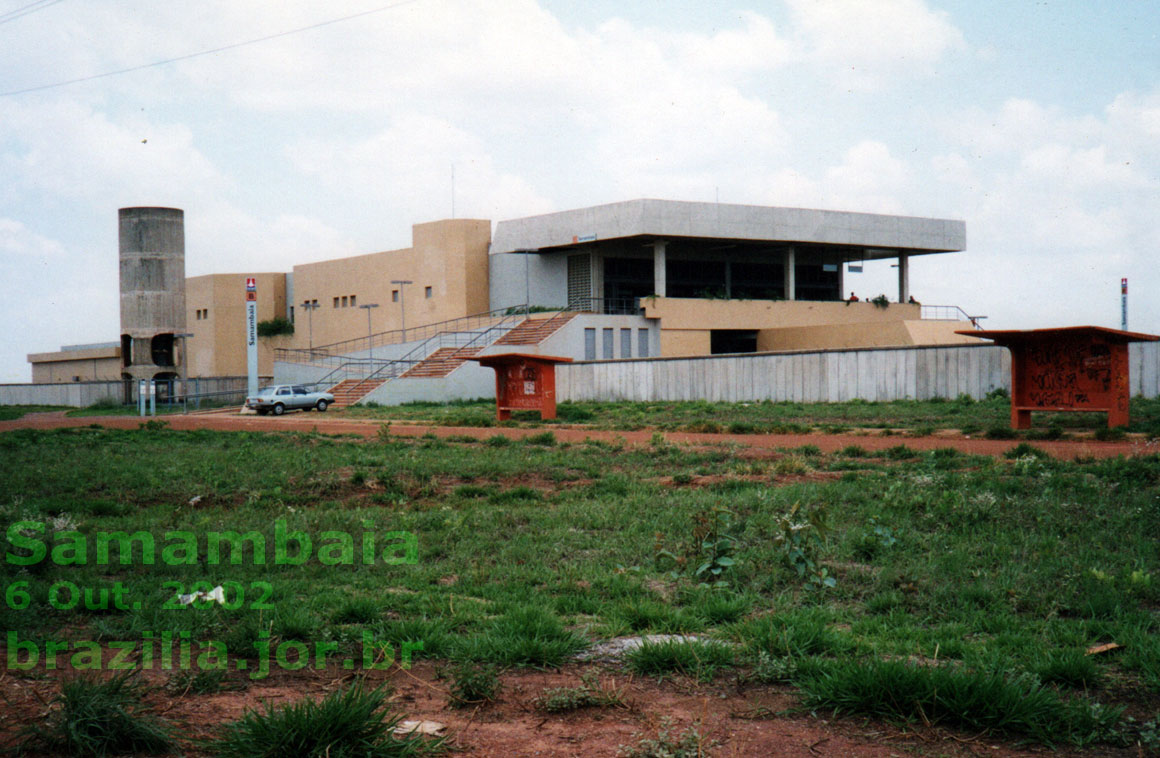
{"x": 639, "y": 279}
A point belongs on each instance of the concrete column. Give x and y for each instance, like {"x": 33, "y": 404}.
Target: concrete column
{"x": 841, "y": 279}
{"x": 903, "y": 277}
{"x": 790, "y": 279}
{"x": 659, "y": 267}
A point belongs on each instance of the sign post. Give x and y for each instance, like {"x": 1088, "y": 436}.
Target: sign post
{"x": 1124, "y": 304}
{"x": 251, "y": 336}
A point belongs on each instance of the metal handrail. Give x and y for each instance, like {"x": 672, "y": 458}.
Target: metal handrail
{"x": 393, "y": 368}
{"x": 392, "y": 337}
{"x": 436, "y": 341}
{"x": 950, "y": 313}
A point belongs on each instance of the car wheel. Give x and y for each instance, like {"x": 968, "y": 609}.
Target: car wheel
{"x": 279, "y": 409}
{"x": 321, "y": 406}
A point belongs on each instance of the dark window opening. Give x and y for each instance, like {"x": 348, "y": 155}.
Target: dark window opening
{"x": 732, "y": 341}
{"x": 813, "y": 282}
{"x": 126, "y": 350}
{"x": 703, "y": 279}
{"x": 625, "y": 280}
{"x": 162, "y": 350}
{"x": 758, "y": 281}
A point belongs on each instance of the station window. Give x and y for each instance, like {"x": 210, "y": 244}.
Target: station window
{"x": 625, "y": 343}
{"x": 314, "y": 303}
{"x": 427, "y": 292}
{"x": 336, "y": 302}
{"x": 344, "y": 301}
{"x": 394, "y": 296}
{"x": 352, "y": 301}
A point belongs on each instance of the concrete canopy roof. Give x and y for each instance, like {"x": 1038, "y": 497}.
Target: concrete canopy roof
{"x": 873, "y": 235}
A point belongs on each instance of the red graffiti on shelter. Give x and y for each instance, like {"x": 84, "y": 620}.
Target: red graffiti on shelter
{"x": 1077, "y": 368}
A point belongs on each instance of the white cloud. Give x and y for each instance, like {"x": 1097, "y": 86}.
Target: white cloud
{"x": 407, "y": 169}
{"x": 866, "y": 40}
{"x": 52, "y": 296}
{"x": 66, "y": 149}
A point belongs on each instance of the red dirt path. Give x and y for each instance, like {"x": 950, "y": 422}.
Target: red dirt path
{"x": 336, "y": 424}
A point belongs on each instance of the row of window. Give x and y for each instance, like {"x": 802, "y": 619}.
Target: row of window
{"x": 608, "y": 351}
{"x": 351, "y": 301}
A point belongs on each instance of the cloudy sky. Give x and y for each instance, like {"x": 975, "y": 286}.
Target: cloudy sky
{"x": 1038, "y": 123}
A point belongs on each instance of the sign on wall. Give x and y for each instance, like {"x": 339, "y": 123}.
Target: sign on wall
{"x": 251, "y": 336}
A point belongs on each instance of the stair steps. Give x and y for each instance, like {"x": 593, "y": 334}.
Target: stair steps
{"x": 350, "y": 391}
{"x": 533, "y": 331}
{"x": 440, "y": 363}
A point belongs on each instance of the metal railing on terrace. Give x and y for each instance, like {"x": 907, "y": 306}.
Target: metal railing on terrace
{"x": 369, "y": 370}
{"x": 326, "y": 354}
{"x": 950, "y": 313}
{"x": 609, "y": 306}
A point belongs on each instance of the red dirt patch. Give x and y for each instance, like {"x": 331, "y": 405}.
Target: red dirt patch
{"x": 742, "y": 720}
{"x": 828, "y": 443}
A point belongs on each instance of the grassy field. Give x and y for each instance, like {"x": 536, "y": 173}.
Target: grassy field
{"x": 865, "y": 581}
{"x": 906, "y": 416}
{"x": 11, "y": 412}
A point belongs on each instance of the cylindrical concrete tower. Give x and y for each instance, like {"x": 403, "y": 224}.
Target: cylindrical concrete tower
{"x": 152, "y": 257}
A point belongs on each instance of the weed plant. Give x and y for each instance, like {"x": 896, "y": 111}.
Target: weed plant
{"x": 669, "y": 744}
{"x": 473, "y": 684}
{"x": 590, "y": 694}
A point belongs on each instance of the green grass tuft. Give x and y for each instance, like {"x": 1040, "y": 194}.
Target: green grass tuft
{"x": 99, "y": 717}
{"x": 958, "y": 697}
{"x": 345, "y": 724}
{"x": 689, "y": 657}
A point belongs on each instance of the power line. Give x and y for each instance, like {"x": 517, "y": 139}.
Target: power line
{"x": 223, "y": 48}
{"x": 25, "y": 10}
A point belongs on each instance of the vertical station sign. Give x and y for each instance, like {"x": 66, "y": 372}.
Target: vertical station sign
{"x": 1124, "y": 304}
{"x": 251, "y": 336}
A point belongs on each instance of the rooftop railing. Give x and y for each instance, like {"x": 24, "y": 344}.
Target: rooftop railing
{"x": 337, "y": 352}
{"x": 950, "y": 313}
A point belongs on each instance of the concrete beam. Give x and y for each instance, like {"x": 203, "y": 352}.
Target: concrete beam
{"x": 903, "y": 277}
{"x": 659, "y": 270}
{"x": 790, "y": 274}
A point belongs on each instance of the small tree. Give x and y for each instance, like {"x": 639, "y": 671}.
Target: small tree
{"x": 275, "y": 327}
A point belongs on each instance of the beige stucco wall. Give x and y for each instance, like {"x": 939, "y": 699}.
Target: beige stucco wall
{"x": 690, "y": 313}
{"x": 685, "y": 342}
{"x": 98, "y": 364}
{"x": 686, "y": 324}
{"x": 218, "y": 345}
{"x": 939, "y": 333}
{"x": 448, "y": 256}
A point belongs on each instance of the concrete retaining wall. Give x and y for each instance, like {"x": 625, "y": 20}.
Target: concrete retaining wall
{"x": 83, "y": 394}
{"x": 829, "y": 376}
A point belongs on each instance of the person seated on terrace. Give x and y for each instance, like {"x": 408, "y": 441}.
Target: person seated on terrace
{"x": 853, "y": 298}
{"x": 912, "y": 301}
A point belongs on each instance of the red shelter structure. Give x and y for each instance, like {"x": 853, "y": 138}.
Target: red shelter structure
{"x": 524, "y": 382}
{"x": 1076, "y": 368}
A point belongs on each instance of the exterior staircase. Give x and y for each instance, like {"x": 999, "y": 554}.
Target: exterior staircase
{"x": 533, "y": 331}
{"x": 350, "y": 391}
{"x": 440, "y": 363}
